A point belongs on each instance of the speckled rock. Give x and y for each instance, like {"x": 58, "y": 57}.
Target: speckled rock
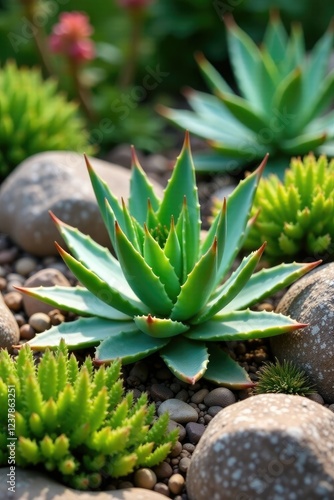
{"x": 56, "y": 181}
{"x": 179, "y": 411}
{"x": 270, "y": 447}
{"x": 30, "y": 485}
{"x": 44, "y": 277}
{"x": 9, "y": 329}
{"x": 311, "y": 300}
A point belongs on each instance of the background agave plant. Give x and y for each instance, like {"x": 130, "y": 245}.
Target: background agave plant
{"x": 296, "y": 215}
{"x": 164, "y": 292}
{"x": 76, "y": 421}
{"x": 35, "y": 118}
{"x": 283, "y": 93}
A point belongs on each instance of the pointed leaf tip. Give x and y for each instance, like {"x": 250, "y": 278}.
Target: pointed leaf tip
{"x": 134, "y": 157}
{"x": 229, "y": 20}
{"x": 186, "y": 143}
{"x": 262, "y": 165}
{"x": 88, "y": 163}
{"x": 55, "y": 218}
{"x": 60, "y": 249}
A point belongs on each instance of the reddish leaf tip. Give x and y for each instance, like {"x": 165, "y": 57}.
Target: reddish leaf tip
{"x": 229, "y": 21}
{"x": 186, "y": 143}
{"x": 150, "y": 319}
{"x": 262, "y": 165}
{"x": 88, "y": 164}
{"x": 163, "y": 110}
{"x": 134, "y": 158}
{"x": 61, "y": 251}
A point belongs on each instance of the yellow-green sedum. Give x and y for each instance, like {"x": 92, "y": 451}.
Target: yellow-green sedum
{"x": 296, "y": 215}
{"x": 76, "y": 422}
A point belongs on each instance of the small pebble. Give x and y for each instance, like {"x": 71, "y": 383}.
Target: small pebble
{"x": 140, "y": 370}
{"x": 3, "y": 283}
{"x": 184, "y": 464}
{"x": 56, "y": 317}
{"x": 317, "y": 398}
{"x": 25, "y": 265}
{"x": 13, "y": 300}
{"x": 182, "y": 431}
{"x": 213, "y": 410}
{"x": 189, "y": 447}
{"x": 194, "y": 431}
{"x": 221, "y": 396}
{"x": 159, "y": 392}
{"x": 182, "y": 395}
{"x": 40, "y": 322}
{"x": 27, "y": 332}
{"x": 145, "y": 478}
{"x": 176, "y": 450}
{"x": 331, "y": 407}
{"x": 8, "y": 255}
{"x": 163, "y": 470}
{"x": 161, "y": 488}
{"x": 179, "y": 411}
{"x": 199, "y": 396}
{"x": 176, "y": 483}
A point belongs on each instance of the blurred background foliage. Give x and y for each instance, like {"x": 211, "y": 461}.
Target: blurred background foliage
{"x": 173, "y": 30}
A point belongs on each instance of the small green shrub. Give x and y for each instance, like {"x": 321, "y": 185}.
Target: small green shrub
{"x": 76, "y": 421}
{"x": 283, "y": 378}
{"x": 35, "y": 118}
{"x": 296, "y": 215}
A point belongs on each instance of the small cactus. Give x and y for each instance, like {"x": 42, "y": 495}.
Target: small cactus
{"x": 76, "y": 421}
{"x": 283, "y": 378}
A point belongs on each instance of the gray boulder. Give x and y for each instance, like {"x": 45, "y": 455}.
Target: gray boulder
{"x": 56, "y": 181}
{"x": 270, "y": 447}
{"x": 311, "y": 300}
{"x": 9, "y": 329}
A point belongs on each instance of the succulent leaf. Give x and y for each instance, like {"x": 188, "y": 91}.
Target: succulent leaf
{"x": 188, "y": 360}
{"x": 159, "y": 328}
{"x": 76, "y": 299}
{"x": 140, "y": 275}
{"x": 223, "y": 370}
{"x": 198, "y": 286}
{"x": 129, "y": 346}
{"x": 141, "y": 190}
{"x": 111, "y": 296}
{"x": 242, "y": 325}
{"x": 161, "y": 266}
{"x": 84, "y": 332}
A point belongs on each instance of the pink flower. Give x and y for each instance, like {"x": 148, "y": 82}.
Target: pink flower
{"x": 71, "y": 37}
{"x": 134, "y": 4}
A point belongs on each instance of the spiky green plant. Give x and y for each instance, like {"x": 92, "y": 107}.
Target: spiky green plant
{"x": 282, "y": 93}
{"x": 34, "y": 117}
{"x": 296, "y": 215}
{"x": 166, "y": 292}
{"x": 283, "y": 378}
{"x": 76, "y": 421}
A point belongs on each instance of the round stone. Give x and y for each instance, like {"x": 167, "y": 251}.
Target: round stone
{"x": 40, "y": 322}
{"x": 176, "y": 483}
{"x": 221, "y": 396}
{"x": 199, "y": 396}
{"x": 13, "y": 300}
{"x": 179, "y": 411}
{"x": 267, "y": 446}
{"x": 25, "y": 265}
{"x": 9, "y": 329}
{"x": 310, "y": 301}
{"x": 145, "y": 478}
